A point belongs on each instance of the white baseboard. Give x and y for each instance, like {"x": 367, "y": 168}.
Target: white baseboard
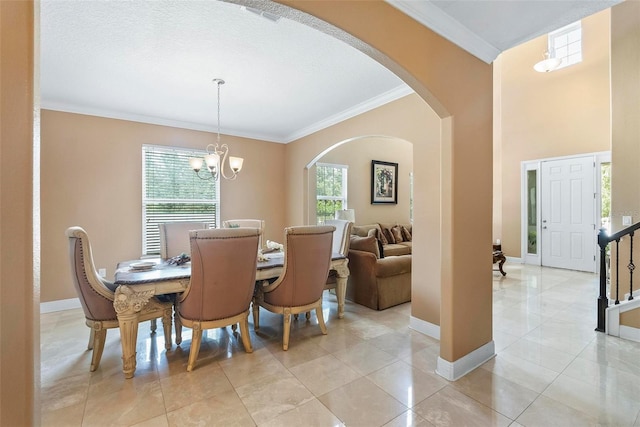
{"x": 514, "y": 260}
{"x": 452, "y": 371}
{"x": 629, "y": 333}
{"x": 59, "y": 305}
{"x": 429, "y": 329}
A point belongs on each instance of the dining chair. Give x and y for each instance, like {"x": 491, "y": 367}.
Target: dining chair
{"x": 223, "y": 274}
{"x": 96, "y": 297}
{"x": 174, "y": 241}
{"x": 257, "y": 223}
{"x": 340, "y": 245}
{"x": 307, "y": 259}
{"x": 174, "y": 237}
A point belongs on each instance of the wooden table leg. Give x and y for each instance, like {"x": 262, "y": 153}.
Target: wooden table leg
{"x": 128, "y": 304}
{"x": 500, "y": 264}
{"x": 128, "y": 338}
{"x": 499, "y": 257}
{"x": 341, "y": 286}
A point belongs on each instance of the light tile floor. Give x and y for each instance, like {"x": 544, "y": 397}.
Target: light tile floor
{"x": 551, "y": 368}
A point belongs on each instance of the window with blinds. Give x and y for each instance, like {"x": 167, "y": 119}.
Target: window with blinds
{"x": 171, "y": 191}
{"x": 331, "y": 190}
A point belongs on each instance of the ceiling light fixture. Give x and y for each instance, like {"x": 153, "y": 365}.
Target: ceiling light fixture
{"x": 549, "y": 63}
{"x": 217, "y": 155}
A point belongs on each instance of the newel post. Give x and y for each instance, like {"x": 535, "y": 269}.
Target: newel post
{"x": 603, "y": 301}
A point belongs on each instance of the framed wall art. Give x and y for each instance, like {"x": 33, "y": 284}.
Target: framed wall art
{"x": 384, "y": 182}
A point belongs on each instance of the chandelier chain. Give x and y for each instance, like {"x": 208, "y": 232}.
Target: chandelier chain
{"x": 220, "y": 82}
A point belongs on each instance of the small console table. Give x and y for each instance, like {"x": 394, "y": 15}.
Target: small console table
{"x": 499, "y": 257}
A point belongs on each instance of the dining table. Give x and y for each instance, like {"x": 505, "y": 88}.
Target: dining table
{"x": 135, "y": 287}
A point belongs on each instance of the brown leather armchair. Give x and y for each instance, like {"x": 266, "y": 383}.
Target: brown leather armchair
{"x": 307, "y": 259}
{"x": 223, "y": 275}
{"x": 96, "y": 296}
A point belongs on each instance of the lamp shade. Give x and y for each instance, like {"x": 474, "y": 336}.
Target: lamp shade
{"x": 346, "y": 214}
{"x": 235, "y": 163}
{"x": 549, "y": 63}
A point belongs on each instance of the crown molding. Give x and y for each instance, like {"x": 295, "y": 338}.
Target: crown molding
{"x": 370, "y": 104}
{"x": 380, "y": 100}
{"x": 436, "y": 20}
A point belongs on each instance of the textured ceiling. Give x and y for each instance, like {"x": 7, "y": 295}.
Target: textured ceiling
{"x": 153, "y": 61}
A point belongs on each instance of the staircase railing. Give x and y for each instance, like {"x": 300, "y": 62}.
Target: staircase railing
{"x": 604, "y": 239}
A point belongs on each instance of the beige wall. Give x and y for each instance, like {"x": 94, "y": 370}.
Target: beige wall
{"x": 19, "y": 333}
{"x": 92, "y": 174}
{"x": 357, "y": 155}
{"x": 542, "y": 115}
{"x": 458, "y": 87}
{"x": 408, "y": 119}
{"x": 625, "y": 110}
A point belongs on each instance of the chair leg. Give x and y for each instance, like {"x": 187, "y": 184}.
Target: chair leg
{"x": 178, "y": 325}
{"x": 308, "y": 315}
{"x": 244, "y": 331}
{"x": 286, "y": 330}
{"x": 154, "y": 325}
{"x": 166, "y": 323}
{"x": 320, "y": 317}
{"x": 256, "y": 315}
{"x": 91, "y": 337}
{"x": 196, "y": 339}
{"x": 99, "y": 337}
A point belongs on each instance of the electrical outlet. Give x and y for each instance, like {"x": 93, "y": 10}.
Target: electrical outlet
{"x": 102, "y": 272}
{"x": 626, "y": 220}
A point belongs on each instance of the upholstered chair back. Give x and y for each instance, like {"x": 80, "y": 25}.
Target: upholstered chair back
{"x": 96, "y": 298}
{"x": 307, "y": 261}
{"x": 341, "y": 237}
{"x": 174, "y": 237}
{"x": 223, "y": 273}
{"x": 256, "y": 223}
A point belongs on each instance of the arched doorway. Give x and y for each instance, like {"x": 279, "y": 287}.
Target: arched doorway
{"x": 459, "y": 81}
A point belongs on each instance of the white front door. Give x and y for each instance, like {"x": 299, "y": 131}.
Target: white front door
{"x": 568, "y": 231}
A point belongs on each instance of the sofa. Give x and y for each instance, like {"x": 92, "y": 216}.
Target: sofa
{"x": 380, "y": 265}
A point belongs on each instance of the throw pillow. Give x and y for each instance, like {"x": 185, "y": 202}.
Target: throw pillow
{"x": 406, "y": 234}
{"x": 375, "y": 233}
{"x": 388, "y": 235}
{"x": 382, "y": 237}
{"x": 397, "y": 233}
{"x": 367, "y": 244}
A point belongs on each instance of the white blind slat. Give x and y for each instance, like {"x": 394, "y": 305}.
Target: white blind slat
{"x": 173, "y": 192}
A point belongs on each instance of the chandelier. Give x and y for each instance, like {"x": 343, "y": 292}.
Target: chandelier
{"x": 217, "y": 155}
